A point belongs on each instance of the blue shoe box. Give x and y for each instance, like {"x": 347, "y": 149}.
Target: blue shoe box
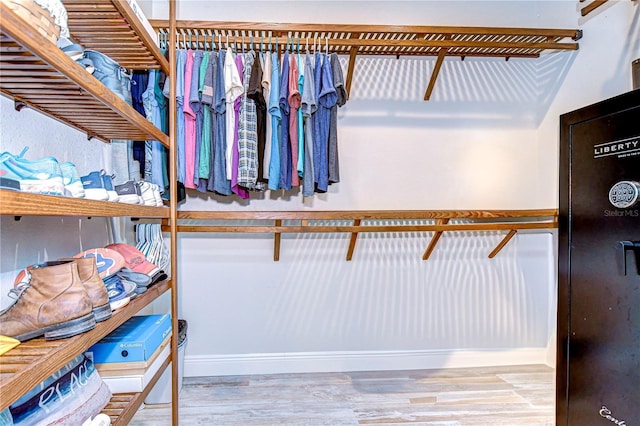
{"x": 135, "y": 340}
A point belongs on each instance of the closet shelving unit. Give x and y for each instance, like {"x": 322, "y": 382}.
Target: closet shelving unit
{"x": 36, "y": 74}
{"x": 383, "y": 40}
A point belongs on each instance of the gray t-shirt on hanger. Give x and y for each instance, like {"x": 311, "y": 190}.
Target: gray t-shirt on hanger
{"x": 338, "y": 83}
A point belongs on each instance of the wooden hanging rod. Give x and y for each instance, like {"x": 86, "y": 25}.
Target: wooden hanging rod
{"x": 483, "y": 220}
{"x": 366, "y": 214}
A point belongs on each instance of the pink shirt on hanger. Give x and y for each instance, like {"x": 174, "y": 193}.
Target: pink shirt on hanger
{"x": 189, "y": 125}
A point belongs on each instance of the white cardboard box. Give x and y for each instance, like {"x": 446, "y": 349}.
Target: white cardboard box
{"x": 137, "y": 382}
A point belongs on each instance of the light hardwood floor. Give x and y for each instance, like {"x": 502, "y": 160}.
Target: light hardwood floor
{"x": 514, "y": 395}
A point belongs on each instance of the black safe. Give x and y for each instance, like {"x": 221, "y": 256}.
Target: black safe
{"x": 598, "y": 352}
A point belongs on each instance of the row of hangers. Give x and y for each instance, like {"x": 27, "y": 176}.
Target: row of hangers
{"x": 290, "y": 44}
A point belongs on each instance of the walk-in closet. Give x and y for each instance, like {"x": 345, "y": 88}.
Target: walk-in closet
{"x": 323, "y": 212}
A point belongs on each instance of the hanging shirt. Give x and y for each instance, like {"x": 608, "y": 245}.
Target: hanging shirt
{"x": 206, "y": 97}
{"x": 326, "y": 99}
{"x": 341, "y": 92}
{"x": 148, "y": 102}
{"x": 266, "y": 94}
{"x": 193, "y": 153}
{"x": 220, "y": 183}
{"x": 285, "y": 145}
{"x": 233, "y": 89}
{"x": 294, "y": 104}
{"x": 318, "y": 146}
{"x": 247, "y": 130}
{"x": 276, "y": 123}
{"x": 235, "y": 187}
{"x": 181, "y": 58}
{"x": 301, "y": 160}
{"x": 189, "y": 123}
{"x": 255, "y": 93}
{"x": 308, "y": 109}
{"x": 158, "y": 151}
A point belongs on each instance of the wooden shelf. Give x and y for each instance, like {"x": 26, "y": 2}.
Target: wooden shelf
{"x": 410, "y": 40}
{"x": 35, "y": 73}
{"x": 25, "y": 204}
{"x": 28, "y": 364}
{"x": 111, "y": 27}
{"x": 386, "y": 40}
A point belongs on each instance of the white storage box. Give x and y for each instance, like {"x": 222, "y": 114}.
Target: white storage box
{"x": 137, "y": 382}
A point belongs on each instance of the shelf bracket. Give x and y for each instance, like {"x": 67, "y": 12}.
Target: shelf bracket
{"x": 352, "y": 63}
{"x": 352, "y": 242}
{"x": 436, "y": 70}
{"x": 591, "y": 7}
{"x": 434, "y": 239}
{"x": 502, "y": 243}
{"x": 18, "y": 105}
{"x": 276, "y": 242}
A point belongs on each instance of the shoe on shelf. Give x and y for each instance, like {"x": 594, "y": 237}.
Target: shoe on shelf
{"x": 118, "y": 293}
{"x": 89, "y": 278}
{"x": 108, "y": 261}
{"x": 72, "y": 184}
{"x": 94, "y": 186}
{"x": 53, "y": 303}
{"x": 41, "y": 176}
{"x": 107, "y": 181}
{"x": 6, "y": 183}
{"x": 94, "y": 286}
{"x": 156, "y": 193}
{"x": 147, "y": 190}
{"x": 129, "y": 192}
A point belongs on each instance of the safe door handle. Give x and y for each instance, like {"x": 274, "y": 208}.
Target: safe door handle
{"x": 623, "y": 248}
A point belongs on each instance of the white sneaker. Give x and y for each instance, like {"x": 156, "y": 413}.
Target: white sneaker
{"x": 108, "y": 185}
{"x": 94, "y": 186}
{"x": 156, "y": 193}
{"x": 129, "y": 193}
{"x": 146, "y": 190}
{"x": 72, "y": 184}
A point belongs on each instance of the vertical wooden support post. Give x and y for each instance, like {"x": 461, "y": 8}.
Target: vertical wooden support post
{"x": 352, "y": 242}
{"x": 434, "y": 76}
{"x": 434, "y": 239}
{"x": 276, "y": 242}
{"x": 352, "y": 63}
{"x": 173, "y": 211}
{"x": 502, "y": 243}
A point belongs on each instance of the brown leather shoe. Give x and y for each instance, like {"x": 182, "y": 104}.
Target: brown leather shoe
{"x": 54, "y": 303}
{"x": 93, "y": 284}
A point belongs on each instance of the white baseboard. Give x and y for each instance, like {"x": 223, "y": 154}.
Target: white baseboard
{"x": 317, "y": 362}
